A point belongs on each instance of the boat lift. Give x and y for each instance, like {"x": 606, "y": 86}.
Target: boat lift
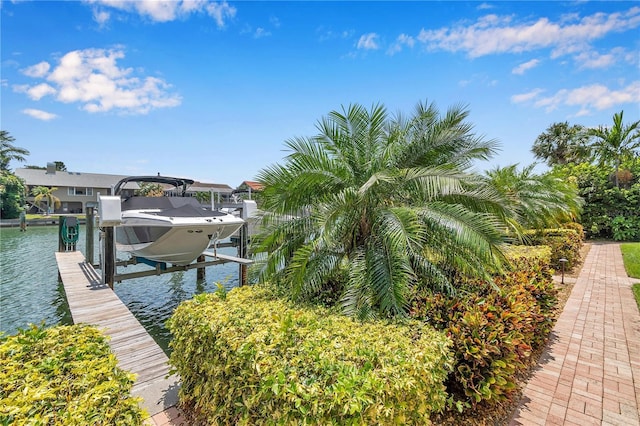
{"x": 109, "y": 218}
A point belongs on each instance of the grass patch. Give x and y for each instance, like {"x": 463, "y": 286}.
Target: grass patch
{"x": 631, "y": 257}
{"x": 52, "y": 216}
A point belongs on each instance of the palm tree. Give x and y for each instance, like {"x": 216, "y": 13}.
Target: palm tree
{"x": 537, "y": 201}
{"x": 45, "y": 193}
{"x": 615, "y": 144}
{"x": 374, "y": 206}
{"x": 8, "y": 151}
{"x": 149, "y": 189}
{"x": 561, "y": 144}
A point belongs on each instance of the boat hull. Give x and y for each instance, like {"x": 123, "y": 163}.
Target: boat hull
{"x": 175, "y": 240}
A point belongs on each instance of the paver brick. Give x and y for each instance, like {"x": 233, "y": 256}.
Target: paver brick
{"x": 595, "y": 352}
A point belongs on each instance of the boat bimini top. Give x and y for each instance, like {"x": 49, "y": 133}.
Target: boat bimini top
{"x": 180, "y": 183}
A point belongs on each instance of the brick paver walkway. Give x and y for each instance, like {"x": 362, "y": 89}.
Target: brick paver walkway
{"x": 590, "y": 373}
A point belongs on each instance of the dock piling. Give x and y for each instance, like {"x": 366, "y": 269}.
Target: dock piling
{"x": 90, "y": 220}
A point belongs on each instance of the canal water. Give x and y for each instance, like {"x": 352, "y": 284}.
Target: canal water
{"x": 30, "y": 292}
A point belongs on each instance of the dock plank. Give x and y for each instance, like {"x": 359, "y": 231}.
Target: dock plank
{"x": 94, "y": 303}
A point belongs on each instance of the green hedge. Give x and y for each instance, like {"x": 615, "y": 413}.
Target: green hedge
{"x": 246, "y": 358}
{"x": 63, "y": 375}
{"x": 565, "y": 243}
{"x": 493, "y": 330}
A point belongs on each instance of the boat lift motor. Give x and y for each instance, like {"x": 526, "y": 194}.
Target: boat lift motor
{"x": 109, "y": 210}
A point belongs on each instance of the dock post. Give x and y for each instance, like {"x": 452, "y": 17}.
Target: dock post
{"x": 89, "y": 229}
{"x": 109, "y": 267}
{"x": 242, "y": 253}
{"x": 61, "y": 247}
{"x": 200, "y": 272}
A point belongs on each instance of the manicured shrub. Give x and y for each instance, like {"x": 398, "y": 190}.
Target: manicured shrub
{"x": 246, "y": 358}
{"x": 575, "y": 226}
{"x": 64, "y": 375}
{"x": 565, "y": 243}
{"x": 494, "y": 328}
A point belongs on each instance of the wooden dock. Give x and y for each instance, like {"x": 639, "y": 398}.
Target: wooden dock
{"x": 94, "y": 303}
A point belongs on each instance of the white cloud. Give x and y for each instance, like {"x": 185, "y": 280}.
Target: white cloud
{"x": 164, "y": 10}
{"x": 484, "y": 6}
{"x": 37, "y": 70}
{"x": 368, "y": 41}
{"x": 92, "y": 78}
{"x": 261, "y": 32}
{"x": 325, "y": 34}
{"x": 101, "y": 16}
{"x": 526, "y": 66}
{"x": 587, "y": 98}
{"x": 38, "y": 91}
{"x": 525, "y": 97}
{"x": 39, "y": 114}
{"x": 221, "y": 12}
{"x": 494, "y": 34}
{"x": 402, "y": 40}
{"x": 592, "y": 59}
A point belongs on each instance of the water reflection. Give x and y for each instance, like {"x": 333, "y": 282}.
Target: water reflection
{"x": 29, "y": 291}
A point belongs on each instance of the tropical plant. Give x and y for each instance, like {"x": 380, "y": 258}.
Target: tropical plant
{"x": 613, "y": 145}
{"x": 8, "y": 151}
{"x": 562, "y": 144}
{"x": 12, "y": 194}
{"x": 375, "y": 205}
{"x": 494, "y": 328}
{"x": 59, "y": 165}
{"x": 537, "y": 200}
{"x": 64, "y": 375}
{"x": 603, "y": 200}
{"x": 203, "y": 197}
{"x": 45, "y": 193}
{"x": 148, "y": 189}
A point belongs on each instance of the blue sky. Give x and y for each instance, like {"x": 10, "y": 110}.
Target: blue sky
{"x": 211, "y": 90}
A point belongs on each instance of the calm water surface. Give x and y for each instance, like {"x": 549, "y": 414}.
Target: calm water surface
{"x": 30, "y": 292}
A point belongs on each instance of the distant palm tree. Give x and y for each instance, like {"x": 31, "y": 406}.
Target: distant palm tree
{"x": 536, "y": 200}
{"x": 8, "y": 151}
{"x": 373, "y": 206}
{"x": 562, "y": 144}
{"x": 45, "y": 193}
{"x": 615, "y": 144}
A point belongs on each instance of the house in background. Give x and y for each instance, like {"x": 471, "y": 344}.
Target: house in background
{"x": 249, "y": 187}
{"x": 77, "y": 191}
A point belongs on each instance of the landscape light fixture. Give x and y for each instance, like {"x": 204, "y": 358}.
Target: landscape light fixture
{"x": 562, "y": 262}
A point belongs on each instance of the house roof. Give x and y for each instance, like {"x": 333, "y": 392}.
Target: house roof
{"x": 255, "y": 186}
{"x": 206, "y": 187}
{"x": 40, "y": 177}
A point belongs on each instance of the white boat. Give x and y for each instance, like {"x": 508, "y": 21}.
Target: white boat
{"x": 174, "y": 230}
